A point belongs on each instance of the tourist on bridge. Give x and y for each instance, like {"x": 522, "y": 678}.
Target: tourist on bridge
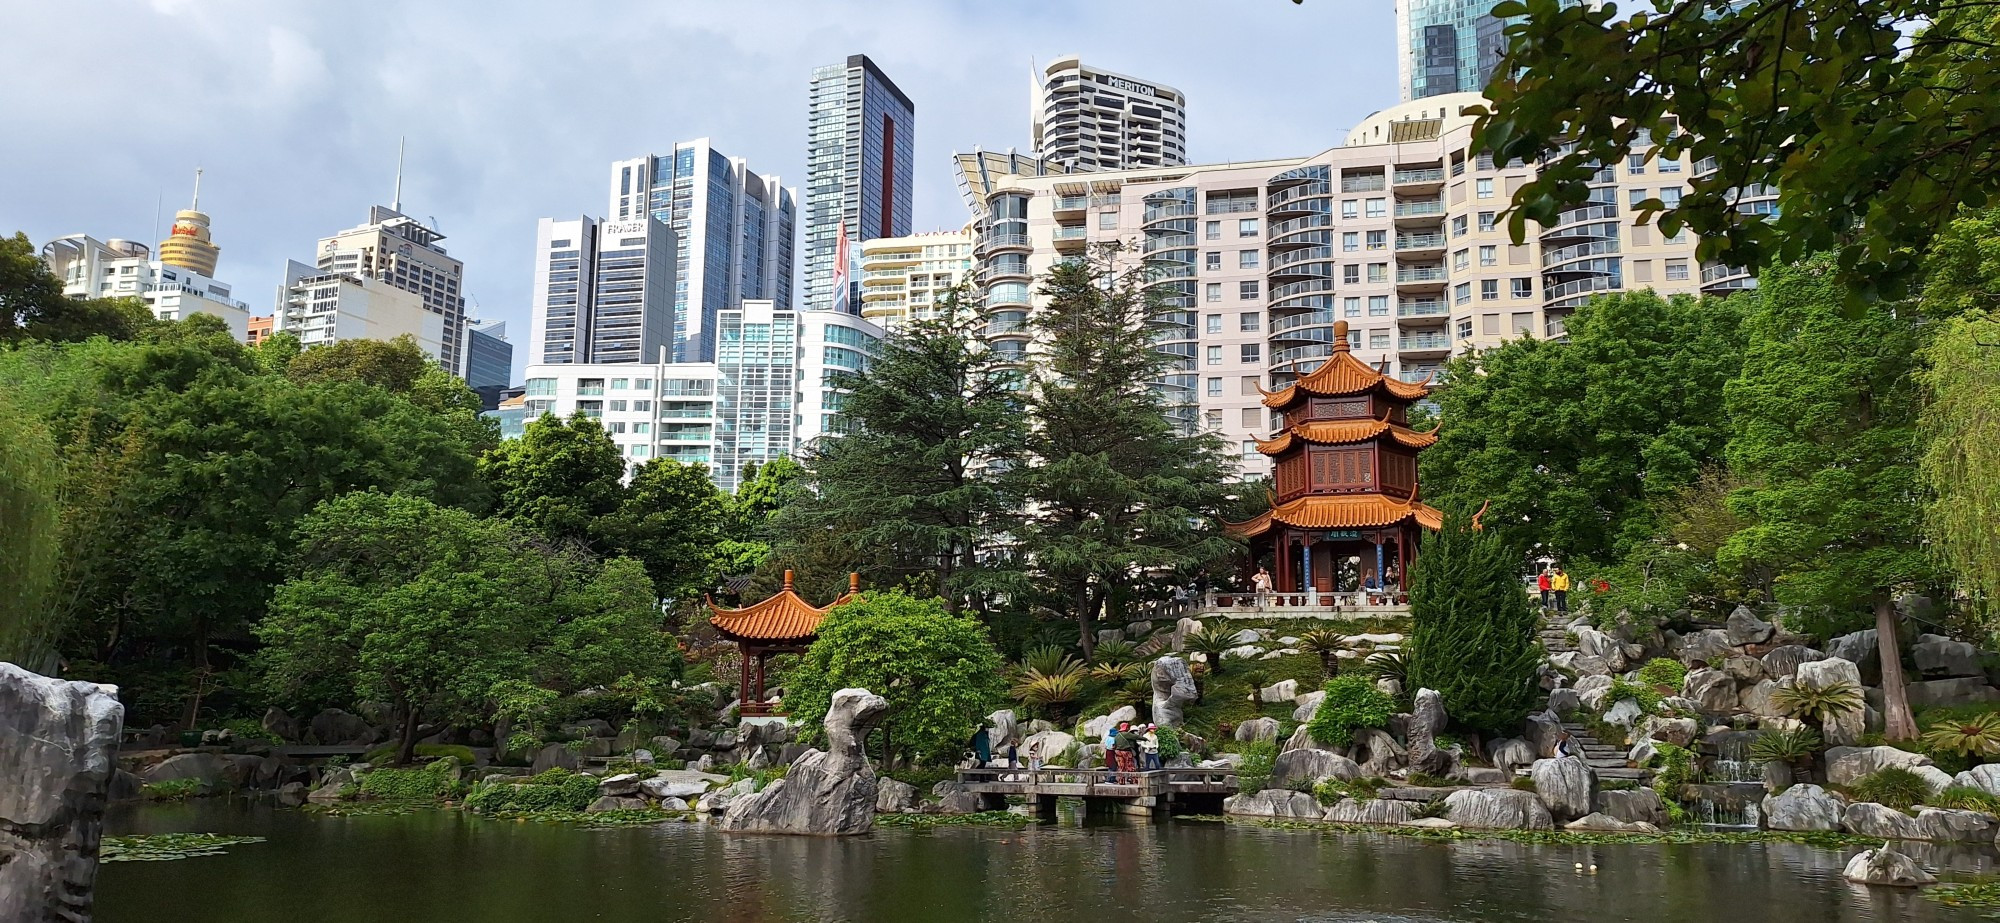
{"x": 1035, "y": 754}
{"x": 1125, "y": 743}
{"x": 1559, "y": 582}
{"x": 1149, "y": 749}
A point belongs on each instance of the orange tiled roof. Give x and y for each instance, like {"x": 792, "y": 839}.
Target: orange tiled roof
{"x": 1345, "y": 511}
{"x": 1341, "y": 432}
{"x": 785, "y": 616}
{"x": 1342, "y": 375}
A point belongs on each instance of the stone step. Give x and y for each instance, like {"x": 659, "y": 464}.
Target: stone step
{"x": 1635, "y": 775}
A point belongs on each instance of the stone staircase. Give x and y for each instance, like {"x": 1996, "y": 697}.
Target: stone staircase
{"x": 1607, "y": 760}
{"x": 1554, "y": 635}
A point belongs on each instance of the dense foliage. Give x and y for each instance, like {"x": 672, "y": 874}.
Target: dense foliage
{"x": 1352, "y": 702}
{"x": 1474, "y": 636}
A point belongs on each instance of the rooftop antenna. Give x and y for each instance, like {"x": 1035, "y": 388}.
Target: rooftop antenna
{"x": 396, "y": 205}
{"x": 196, "y": 204}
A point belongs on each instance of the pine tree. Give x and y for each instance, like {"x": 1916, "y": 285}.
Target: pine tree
{"x": 1474, "y": 635}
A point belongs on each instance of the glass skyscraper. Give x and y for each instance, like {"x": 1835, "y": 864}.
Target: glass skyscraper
{"x": 861, "y": 133}
{"x": 1447, "y": 46}
{"x": 734, "y": 229}
{"x": 757, "y": 384}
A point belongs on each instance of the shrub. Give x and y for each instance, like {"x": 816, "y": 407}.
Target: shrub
{"x": 1351, "y": 702}
{"x": 1326, "y": 644}
{"x": 172, "y": 790}
{"x": 1473, "y": 638}
{"x": 1435, "y": 807}
{"x": 1891, "y": 786}
{"x": 1661, "y": 671}
{"x": 1677, "y": 766}
{"x": 1794, "y": 746}
{"x": 1330, "y": 790}
{"x": 250, "y": 730}
{"x": 1647, "y": 697}
{"x": 1975, "y": 737}
{"x": 385, "y": 754}
{"x": 1255, "y": 771}
{"x": 1115, "y": 653}
{"x": 431, "y": 783}
{"x": 1818, "y": 704}
{"x": 1210, "y": 642}
{"x": 1524, "y": 783}
{"x": 554, "y": 790}
{"x": 1170, "y": 742}
{"x": 1388, "y": 665}
{"x": 1049, "y": 660}
{"x": 1965, "y": 798}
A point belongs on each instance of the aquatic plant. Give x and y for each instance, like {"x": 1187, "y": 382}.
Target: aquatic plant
{"x": 161, "y": 847}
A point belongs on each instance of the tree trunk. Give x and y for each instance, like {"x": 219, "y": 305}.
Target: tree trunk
{"x": 408, "y": 747}
{"x": 1086, "y": 619}
{"x": 1896, "y": 719}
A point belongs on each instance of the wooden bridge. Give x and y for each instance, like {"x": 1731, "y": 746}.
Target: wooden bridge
{"x": 1153, "y": 792}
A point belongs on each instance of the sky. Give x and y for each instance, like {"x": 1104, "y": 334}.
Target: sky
{"x": 513, "y": 111}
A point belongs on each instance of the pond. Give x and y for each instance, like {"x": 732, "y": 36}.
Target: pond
{"x": 446, "y": 865}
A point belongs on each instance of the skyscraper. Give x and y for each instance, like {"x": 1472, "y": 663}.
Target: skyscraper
{"x": 489, "y": 361}
{"x": 1091, "y": 119}
{"x": 861, "y": 134}
{"x": 733, "y": 229}
{"x": 401, "y": 252}
{"x": 603, "y": 291}
{"x": 1446, "y": 46}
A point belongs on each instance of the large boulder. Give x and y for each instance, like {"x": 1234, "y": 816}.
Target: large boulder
{"x": 1887, "y": 867}
{"x": 1745, "y": 670}
{"x": 1711, "y": 645}
{"x": 1803, "y": 807}
{"x": 1605, "y": 823}
{"x": 214, "y": 771}
{"x": 893, "y": 797}
{"x": 1543, "y": 732}
{"x": 1783, "y": 661}
{"x": 1580, "y": 663}
{"x": 1497, "y": 809}
{"x": 1047, "y": 745}
{"x": 1284, "y": 690}
{"x": 1860, "y": 649}
{"x": 555, "y": 756}
{"x": 1625, "y": 713}
{"x": 278, "y": 722}
{"x": 1173, "y": 689}
{"x": 1564, "y": 701}
{"x": 829, "y": 793}
{"x": 1939, "y": 657}
{"x": 1510, "y": 753}
{"x": 1567, "y": 785}
{"x": 1677, "y": 731}
{"x": 1713, "y": 692}
{"x": 1308, "y": 707}
{"x": 1380, "y": 753}
{"x": 1003, "y": 728}
{"x": 336, "y": 728}
{"x": 1744, "y": 627}
{"x": 1301, "y": 739}
{"x": 1123, "y": 714}
{"x": 1940, "y": 825}
{"x": 661, "y": 789}
{"x": 1985, "y": 777}
{"x": 954, "y": 799}
{"x": 1427, "y": 719}
{"x": 1846, "y": 765}
{"x": 1378, "y": 811}
{"x": 1309, "y": 765}
{"x": 1273, "y": 802}
{"x": 1756, "y": 700}
{"x": 1845, "y": 729}
{"x": 1593, "y": 643}
{"x": 1640, "y": 805}
{"x": 1257, "y": 729}
{"x": 1964, "y": 690}
{"x": 1866, "y": 818}
{"x": 58, "y": 749}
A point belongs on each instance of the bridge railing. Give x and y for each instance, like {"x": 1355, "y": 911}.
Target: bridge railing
{"x": 1091, "y": 779}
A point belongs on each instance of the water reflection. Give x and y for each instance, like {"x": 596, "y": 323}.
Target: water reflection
{"x": 446, "y": 863}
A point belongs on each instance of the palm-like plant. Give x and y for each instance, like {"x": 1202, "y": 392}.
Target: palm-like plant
{"x": 1117, "y": 674}
{"x": 1816, "y": 704}
{"x": 1794, "y": 747}
{"x": 1389, "y": 665}
{"x": 1048, "y": 659}
{"x": 1115, "y": 652}
{"x": 1327, "y": 645}
{"x": 1051, "y": 692}
{"x": 1210, "y": 642}
{"x": 1976, "y": 738}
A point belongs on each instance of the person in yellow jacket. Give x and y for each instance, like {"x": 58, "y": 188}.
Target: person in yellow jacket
{"x": 1559, "y": 584}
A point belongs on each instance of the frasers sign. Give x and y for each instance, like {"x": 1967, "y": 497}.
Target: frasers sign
{"x": 624, "y": 227}
{"x": 1130, "y": 87}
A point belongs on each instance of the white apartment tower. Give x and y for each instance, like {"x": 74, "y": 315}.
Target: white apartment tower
{"x": 906, "y": 277}
{"x": 401, "y": 252}
{"x": 1091, "y": 119}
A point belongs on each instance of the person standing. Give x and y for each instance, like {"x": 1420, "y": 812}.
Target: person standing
{"x": 1035, "y": 754}
{"x": 1262, "y": 584}
{"x": 1126, "y": 745}
{"x": 1543, "y": 583}
{"x": 1559, "y": 582}
{"x": 1111, "y": 748}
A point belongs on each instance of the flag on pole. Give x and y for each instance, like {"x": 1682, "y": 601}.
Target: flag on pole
{"x": 840, "y": 271}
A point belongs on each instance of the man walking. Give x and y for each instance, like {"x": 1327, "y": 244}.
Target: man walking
{"x": 1559, "y": 582}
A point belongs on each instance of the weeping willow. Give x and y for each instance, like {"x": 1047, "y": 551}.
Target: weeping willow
{"x": 29, "y": 475}
{"x": 1962, "y": 457}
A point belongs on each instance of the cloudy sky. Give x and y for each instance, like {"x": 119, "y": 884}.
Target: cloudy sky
{"x": 515, "y": 110}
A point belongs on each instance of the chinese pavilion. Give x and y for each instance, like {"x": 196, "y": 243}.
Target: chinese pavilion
{"x": 783, "y": 624}
{"x": 1344, "y": 504}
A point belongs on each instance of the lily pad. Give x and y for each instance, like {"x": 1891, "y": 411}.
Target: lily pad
{"x": 161, "y": 847}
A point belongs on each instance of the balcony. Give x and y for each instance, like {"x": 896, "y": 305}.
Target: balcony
{"x": 1297, "y": 194}
{"x": 1428, "y": 241}
{"x": 1421, "y": 374}
{"x": 1309, "y": 319}
{"x": 1071, "y": 232}
{"x": 1420, "y": 275}
{"x": 1071, "y": 203}
{"x": 1232, "y": 206}
{"x": 1156, "y": 242}
{"x": 1370, "y": 182}
{"x": 1279, "y": 293}
{"x": 1422, "y": 307}
{"x": 1424, "y": 343}
{"x": 1000, "y": 297}
{"x": 1309, "y": 254}
{"x": 1578, "y": 251}
{"x": 1168, "y": 210}
{"x": 1569, "y": 294}
{"x": 1422, "y": 208}
{"x": 993, "y": 243}
{"x": 1420, "y": 176}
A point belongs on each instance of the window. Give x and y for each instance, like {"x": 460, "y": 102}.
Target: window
{"x": 1680, "y": 236}
{"x": 1248, "y": 384}
{"x": 1212, "y": 291}
{"x": 642, "y": 405}
{"x": 1483, "y": 162}
{"x": 1250, "y": 321}
{"x": 1524, "y": 287}
{"x": 1214, "y": 323}
{"x": 1252, "y": 352}
{"x": 1458, "y": 226}
{"x": 1669, "y": 166}
{"x": 1212, "y": 419}
{"x": 1107, "y": 220}
{"x": 1489, "y": 255}
{"x": 618, "y": 384}
{"x": 1351, "y": 274}
{"x": 1635, "y": 164}
{"x": 1252, "y": 419}
{"x": 1350, "y": 241}
{"x": 641, "y": 451}
{"x": 1378, "y": 272}
{"x": 1677, "y": 270}
{"x": 1354, "y": 339}
{"x": 1462, "y": 293}
{"x": 1465, "y": 328}
{"x": 1378, "y": 306}
{"x": 1249, "y": 448}
{"x": 1215, "y": 387}
{"x": 1350, "y": 208}
{"x": 1524, "y": 322}
{"x": 1246, "y": 259}
{"x": 1671, "y": 197}
{"x": 617, "y": 405}
{"x": 1485, "y": 221}
{"x": 1378, "y": 240}
{"x": 1378, "y": 207}
{"x": 1489, "y": 290}
{"x": 1212, "y": 259}
{"x": 1459, "y": 258}
{"x": 642, "y": 384}
{"x": 1246, "y": 227}
{"x": 1378, "y": 339}
{"x": 1213, "y": 230}
{"x": 614, "y": 427}
{"x": 1215, "y": 355}
{"x": 1482, "y": 188}
{"x": 541, "y": 387}
{"x": 642, "y": 429}
{"x": 1634, "y": 196}
{"x": 1246, "y": 290}
{"x": 1351, "y": 307}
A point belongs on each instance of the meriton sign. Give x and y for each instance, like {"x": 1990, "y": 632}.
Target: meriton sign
{"x": 1130, "y": 87}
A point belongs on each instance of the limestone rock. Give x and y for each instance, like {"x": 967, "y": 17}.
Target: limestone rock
{"x": 1642, "y": 752}
{"x": 664, "y": 747}
{"x": 1676, "y": 731}
{"x": 1124, "y": 714}
{"x": 336, "y": 728}
{"x": 1311, "y": 766}
{"x": 1744, "y": 670}
{"x": 1173, "y": 689}
{"x": 1712, "y": 691}
{"x": 1427, "y": 719}
{"x": 1936, "y": 779}
{"x": 1625, "y": 713}
{"x": 1940, "y": 825}
{"x": 1938, "y": 657}
{"x": 1593, "y": 643}
{"x": 1640, "y": 805}
{"x": 555, "y": 756}
{"x": 1183, "y": 628}
{"x": 1985, "y": 777}
{"x": 1301, "y": 739}
{"x": 1273, "y": 802}
{"x": 1257, "y": 729}
{"x": 1381, "y": 811}
{"x": 1480, "y": 775}
{"x": 1845, "y": 729}
{"x": 1886, "y": 866}
{"x": 1380, "y": 753}
{"x": 1783, "y": 661}
{"x": 1846, "y": 765}
{"x": 718, "y": 801}
{"x": 212, "y": 770}
{"x": 1498, "y": 809}
{"x": 1389, "y": 686}
{"x": 1605, "y": 823}
{"x": 1866, "y": 818}
{"x": 278, "y": 722}
{"x": 1543, "y": 732}
{"x": 1802, "y": 807}
{"x": 673, "y": 804}
{"x": 828, "y": 793}
{"x": 1510, "y": 753}
{"x": 58, "y": 749}
{"x": 1744, "y": 627}
{"x": 663, "y": 789}
{"x": 1308, "y": 707}
{"x": 1052, "y": 744}
{"x": 1711, "y": 645}
{"x": 615, "y": 803}
{"x": 954, "y": 799}
{"x": 1581, "y": 664}
{"x": 1432, "y": 823}
{"x": 893, "y": 797}
{"x": 1965, "y": 690}
{"x": 1281, "y": 691}
{"x": 1564, "y": 701}
{"x": 1756, "y": 700}
{"x": 1567, "y": 785}
{"x": 1860, "y": 649}
{"x": 1110, "y": 634}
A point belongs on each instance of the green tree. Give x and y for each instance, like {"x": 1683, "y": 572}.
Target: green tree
{"x": 558, "y": 478}
{"x": 601, "y": 625}
{"x": 672, "y": 521}
{"x": 1825, "y": 416}
{"x": 30, "y": 474}
{"x": 939, "y": 671}
{"x": 1473, "y": 635}
{"x": 33, "y": 307}
{"x": 1573, "y": 440}
{"x": 1874, "y": 121}
{"x": 1961, "y": 420}
{"x": 916, "y": 487}
{"x": 392, "y": 365}
{"x": 1116, "y": 489}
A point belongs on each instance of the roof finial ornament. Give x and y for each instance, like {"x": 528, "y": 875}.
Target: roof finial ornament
{"x": 853, "y": 582}
{"x": 788, "y": 578}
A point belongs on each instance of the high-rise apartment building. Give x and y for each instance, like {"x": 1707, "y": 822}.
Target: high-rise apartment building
{"x": 1396, "y": 232}
{"x": 1091, "y": 119}
{"x": 90, "y": 268}
{"x": 906, "y": 277}
{"x": 400, "y": 252}
{"x": 603, "y": 291}
{"x": 649, "y": 409}
{"x": 861, "y": 133}
{"x": 734, "y": 230}
{"x": 322, "y": 307}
